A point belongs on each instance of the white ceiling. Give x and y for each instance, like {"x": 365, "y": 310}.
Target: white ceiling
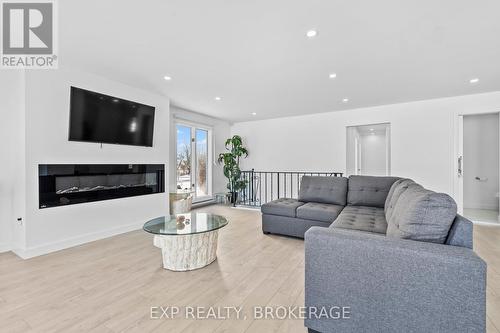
{"x": 254, "y": 54}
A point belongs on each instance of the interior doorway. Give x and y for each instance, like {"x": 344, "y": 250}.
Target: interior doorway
{"x": 369, "y": 150}
{"x": 479, "y": 166}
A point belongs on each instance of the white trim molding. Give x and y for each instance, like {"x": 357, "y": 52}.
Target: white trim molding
{"x": 75, "y": 241}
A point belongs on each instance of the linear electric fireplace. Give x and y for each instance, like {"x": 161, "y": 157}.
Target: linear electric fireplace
{"x": 68, "y": 184}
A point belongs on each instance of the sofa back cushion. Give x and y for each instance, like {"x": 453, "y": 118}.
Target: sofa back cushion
{"x": 330, "y": 190}
{"x": 422, "y": 215}
{"x": 398, "y": 188}
{"x": 369, "y": 190}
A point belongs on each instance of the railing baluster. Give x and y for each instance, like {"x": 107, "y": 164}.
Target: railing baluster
{"x": 273, "y": 185}
{"x": 298, "y": 184}
{"x": 260, "y": 189}
{"x": 278, "y": 187}
{"x": 246, "y": 189}
{"x": 284, "y": 181}
{"x": 265, "y": 192}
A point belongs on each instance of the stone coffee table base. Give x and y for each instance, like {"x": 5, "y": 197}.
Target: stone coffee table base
{"x": 187, "y": 252}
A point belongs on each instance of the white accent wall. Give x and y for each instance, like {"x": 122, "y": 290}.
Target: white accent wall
{"x": 422, "y": 138}
{"x": 12, "y": 150}
{"x": 46, "y": 142}
{"x": 481, "y": 155}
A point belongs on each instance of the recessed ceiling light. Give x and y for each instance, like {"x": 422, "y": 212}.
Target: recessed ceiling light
{"x": 332, "y": 76}
{"x": 254, "y": 113}
{"x": 345, "y": 100}
{"x": 474, "y": 80}
{"x": 371, "y": 129}
{"x": 167, "y": 78}
{"x": 217, "y": 98}
{"x": 311, "y": 33}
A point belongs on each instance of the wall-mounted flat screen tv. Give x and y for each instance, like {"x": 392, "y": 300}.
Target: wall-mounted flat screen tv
{"x": 101, "y": 118}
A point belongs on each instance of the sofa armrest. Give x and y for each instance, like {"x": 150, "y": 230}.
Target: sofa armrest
{"x": 392, "y": 285}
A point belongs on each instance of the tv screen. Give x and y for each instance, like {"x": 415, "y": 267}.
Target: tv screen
{"x": 100, "y": 118}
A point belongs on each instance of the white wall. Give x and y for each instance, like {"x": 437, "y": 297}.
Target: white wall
{"x": 47, "y": 119}
{"x": 221, "y": 130}
{"x": 12, "y": 152}
{"x": 422, "y": 138}
{"x": 373, "y": 154}
{"x": 481, "y": 160}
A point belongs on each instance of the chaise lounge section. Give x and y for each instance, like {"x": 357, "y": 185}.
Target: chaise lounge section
{"x": 321, "y": 199}
{"x": 394, "y": 253}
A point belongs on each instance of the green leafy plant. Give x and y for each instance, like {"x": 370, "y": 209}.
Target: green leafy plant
{"x": 231, "y": 160}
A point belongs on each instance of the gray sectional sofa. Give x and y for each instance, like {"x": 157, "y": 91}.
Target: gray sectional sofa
{"x": 393, "y": 253}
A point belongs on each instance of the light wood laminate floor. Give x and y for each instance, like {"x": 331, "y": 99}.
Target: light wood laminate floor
{"x": 110, "y": 285}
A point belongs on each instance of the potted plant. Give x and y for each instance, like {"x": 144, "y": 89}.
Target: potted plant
{"x": 231, "y": 161}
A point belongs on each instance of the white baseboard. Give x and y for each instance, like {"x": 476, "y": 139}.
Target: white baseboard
{"x": 74, "y": 241}
{"x": 4, "y": 247}
{"x": 481, "y": 206}
{"x": 491, "y": 224}
{"x": 246, "y": 207}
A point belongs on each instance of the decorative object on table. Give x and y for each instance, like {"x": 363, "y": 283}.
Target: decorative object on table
{"x": 231, "y": 161}
{"x": 192, "y": 246}
{"x": 181, "y": 225}
{"x": 180, "y": 202}
{"x": 181, "y": 222}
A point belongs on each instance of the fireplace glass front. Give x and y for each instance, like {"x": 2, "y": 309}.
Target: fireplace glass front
{"x": 66, "y": 184}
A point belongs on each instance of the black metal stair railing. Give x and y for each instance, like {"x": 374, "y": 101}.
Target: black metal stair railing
{"x": 266, "y": 186}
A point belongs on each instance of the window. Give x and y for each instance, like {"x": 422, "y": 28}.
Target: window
{"x": 193, "y": 160}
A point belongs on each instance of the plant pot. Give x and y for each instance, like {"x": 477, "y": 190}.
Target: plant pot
{"x": 233, "y": 198}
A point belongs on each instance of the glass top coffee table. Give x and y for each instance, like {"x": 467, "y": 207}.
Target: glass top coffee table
{"x": 187, "y": 241}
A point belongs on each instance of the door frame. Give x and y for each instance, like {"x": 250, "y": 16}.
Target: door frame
{"x": 357, "y": 155}
{"x": 357, "y": 150}
{"x": 194, "y": 126}
{"x": 458, "y": 143}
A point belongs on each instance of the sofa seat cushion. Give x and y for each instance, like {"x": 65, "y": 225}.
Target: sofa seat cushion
{"x": 363, "y": 218}
{"x": 329, "y": 190}
{"x": 422, "y": 215}
{"x": 282, "y": 207}
{"x": 319, "y": 211}
{"x": 369, "y": 190}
